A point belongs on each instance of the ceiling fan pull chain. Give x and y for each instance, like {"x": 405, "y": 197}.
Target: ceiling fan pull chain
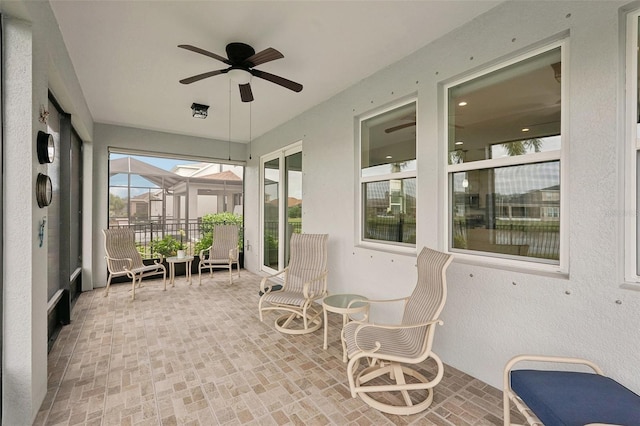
{"x": 229, "y": 119}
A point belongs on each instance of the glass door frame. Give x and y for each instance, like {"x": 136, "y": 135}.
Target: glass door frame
{"x": 283, "y": 197}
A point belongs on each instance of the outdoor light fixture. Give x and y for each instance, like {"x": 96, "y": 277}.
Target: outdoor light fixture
{"x": 199, "y": 110}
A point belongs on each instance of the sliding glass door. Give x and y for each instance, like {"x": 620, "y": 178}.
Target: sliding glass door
{"x": 282, "y": 204}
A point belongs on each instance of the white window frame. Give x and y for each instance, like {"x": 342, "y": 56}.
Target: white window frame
{"x": 360, "y": 181}
{"x": 281, "y": 155}
{"x": 632, "y": 147}
{"x": 526, "y": 264}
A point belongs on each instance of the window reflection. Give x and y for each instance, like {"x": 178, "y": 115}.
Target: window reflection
{"x": 510, "y": 210}
{"x": 509, "y": 112}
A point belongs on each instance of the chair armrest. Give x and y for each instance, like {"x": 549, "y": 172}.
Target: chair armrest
{"x": 364, "y": 325}
{"x": 545, "y": 358}
{"x": 306, "y": 285}
{"x": 233, "y": 254}
{"x": 264, "y": 280}
{"x": 115, "y": 259}
{"x": 201, "y": 254}
{"x": 402, "y": 299}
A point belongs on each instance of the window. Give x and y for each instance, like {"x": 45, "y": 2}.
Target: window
{"x": 282, "y": 204}
{"x": 504, "y": 160}
{"x": 632, "y": 198}
{"x": 388, "y": 175}
{"x": 172, "y": 202}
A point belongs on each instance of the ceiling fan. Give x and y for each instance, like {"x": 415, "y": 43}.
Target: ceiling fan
{"x": 242, "y": 59}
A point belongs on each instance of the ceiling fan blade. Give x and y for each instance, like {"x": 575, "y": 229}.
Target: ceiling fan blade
{"x": 291, "y": 85}
{"x": 267, "y": 55}
{"x": 399, "y": 127}
{"x": 245, "y": 92}
{"x": 204, "y": 52}
{"x": 202, "y": 76}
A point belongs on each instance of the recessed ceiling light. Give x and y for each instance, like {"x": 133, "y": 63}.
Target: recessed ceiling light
{"x": 525, "y": 129}
{"x": 459, "y": 142}
{"x": 463, "y": 103}
{"x": 388, "y": 157}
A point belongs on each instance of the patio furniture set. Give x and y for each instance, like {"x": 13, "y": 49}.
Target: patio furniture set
{"x": 390, "y": 353}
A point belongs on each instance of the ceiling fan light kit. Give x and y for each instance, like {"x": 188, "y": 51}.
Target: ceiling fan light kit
{"x": 242, "y": 59}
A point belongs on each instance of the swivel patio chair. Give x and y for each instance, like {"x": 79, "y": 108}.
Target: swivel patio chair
{"x": 304, "y": 283}
{"x": 124, "y": 259}
{"x": 388, "y": 348}
{"x": 222, "y": 253}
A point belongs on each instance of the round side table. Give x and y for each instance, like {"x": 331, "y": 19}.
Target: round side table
{"x": 172, "y": 268}
{"x": 339, "y": 304}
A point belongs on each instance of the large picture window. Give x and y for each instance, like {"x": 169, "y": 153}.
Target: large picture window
{"x": 504, "y": 160}
{"x": 388, "y": 175}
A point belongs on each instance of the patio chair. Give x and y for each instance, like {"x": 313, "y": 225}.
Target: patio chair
{"x": 222, "y": 253}
{"x": 568, "y": 397}
{"x": 387, "y": 348}
{"x": 124, "y": 259}
{"x": 304, "y": 283}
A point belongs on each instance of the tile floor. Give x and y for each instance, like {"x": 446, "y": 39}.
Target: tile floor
{"x": 199, "y": 355}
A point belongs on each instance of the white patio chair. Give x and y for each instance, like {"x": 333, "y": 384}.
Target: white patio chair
{"x": 388, "y": 348}
{"x": 304, "y": 283}
{"x": 124, "y": 259}
{"x": 222, "y": 253}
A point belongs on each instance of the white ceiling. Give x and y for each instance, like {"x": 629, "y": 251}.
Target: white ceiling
{"x": 127, "y": 61}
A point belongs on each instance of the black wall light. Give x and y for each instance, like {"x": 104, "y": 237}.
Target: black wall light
{"x": 45, "y": 146}
{"x": 199, "y": 110}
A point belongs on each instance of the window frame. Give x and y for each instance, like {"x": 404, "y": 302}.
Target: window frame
{"x": 495, "y": 259}
{"x": 632, "y": 149}
{"x": 280, "y": 154}
{"x": 361, "y": 180}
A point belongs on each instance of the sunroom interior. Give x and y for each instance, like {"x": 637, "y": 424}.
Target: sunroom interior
{"x": 576, "y": 293}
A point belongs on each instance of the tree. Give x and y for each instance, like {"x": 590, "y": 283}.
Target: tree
{"x": 117, "y": 206}
{"x": 522, "y": 147}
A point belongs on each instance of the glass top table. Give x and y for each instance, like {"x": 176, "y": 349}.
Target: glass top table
{"x": 339, "y": 304}
{"x": 172, "y": 260}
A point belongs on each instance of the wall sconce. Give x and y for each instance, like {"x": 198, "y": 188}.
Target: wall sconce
{"x": 199, "y": 110}
{"x": 45, "y": 147}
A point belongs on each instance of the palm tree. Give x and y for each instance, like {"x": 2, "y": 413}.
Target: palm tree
{"x": 522, "y": 147}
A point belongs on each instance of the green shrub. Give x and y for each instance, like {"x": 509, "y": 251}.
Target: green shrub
{"x": 212, "y": 219}
{"x": 167, "y": 246}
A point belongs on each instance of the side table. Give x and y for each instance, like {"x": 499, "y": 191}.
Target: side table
{"x": 339, "y": 304}
{"x": 172, "y": 268}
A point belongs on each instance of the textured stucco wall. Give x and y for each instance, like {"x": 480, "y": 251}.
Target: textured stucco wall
{"x": 24, "y": 367}
{"x": 492, "y": 313}
{"x": 35, "y": 61}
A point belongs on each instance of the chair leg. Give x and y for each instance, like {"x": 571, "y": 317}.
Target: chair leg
{"x": 133, "y": 288}
{"x": 199, "y": 274}
{"x": 230, "y": 274}
{"x": 106, "y": 291}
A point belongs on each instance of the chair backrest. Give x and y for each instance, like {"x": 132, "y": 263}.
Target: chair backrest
{"x": 120, "y": 243}
{"x": 225, "y": 238}
{"x": 428, "y": 297}
{"x": 308, "y": 261}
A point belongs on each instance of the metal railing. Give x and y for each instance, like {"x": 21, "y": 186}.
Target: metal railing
{"x": 390, "y": 228}
{"x": 148, "y": 234}
{"x": 542, "y": 240}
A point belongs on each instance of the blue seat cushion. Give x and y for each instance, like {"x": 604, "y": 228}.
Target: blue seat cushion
{"x": 566, "y": 398}
{"x": 273, "y": 288}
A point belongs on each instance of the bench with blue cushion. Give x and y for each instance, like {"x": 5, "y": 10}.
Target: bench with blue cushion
{"x": 568, "y": 398}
